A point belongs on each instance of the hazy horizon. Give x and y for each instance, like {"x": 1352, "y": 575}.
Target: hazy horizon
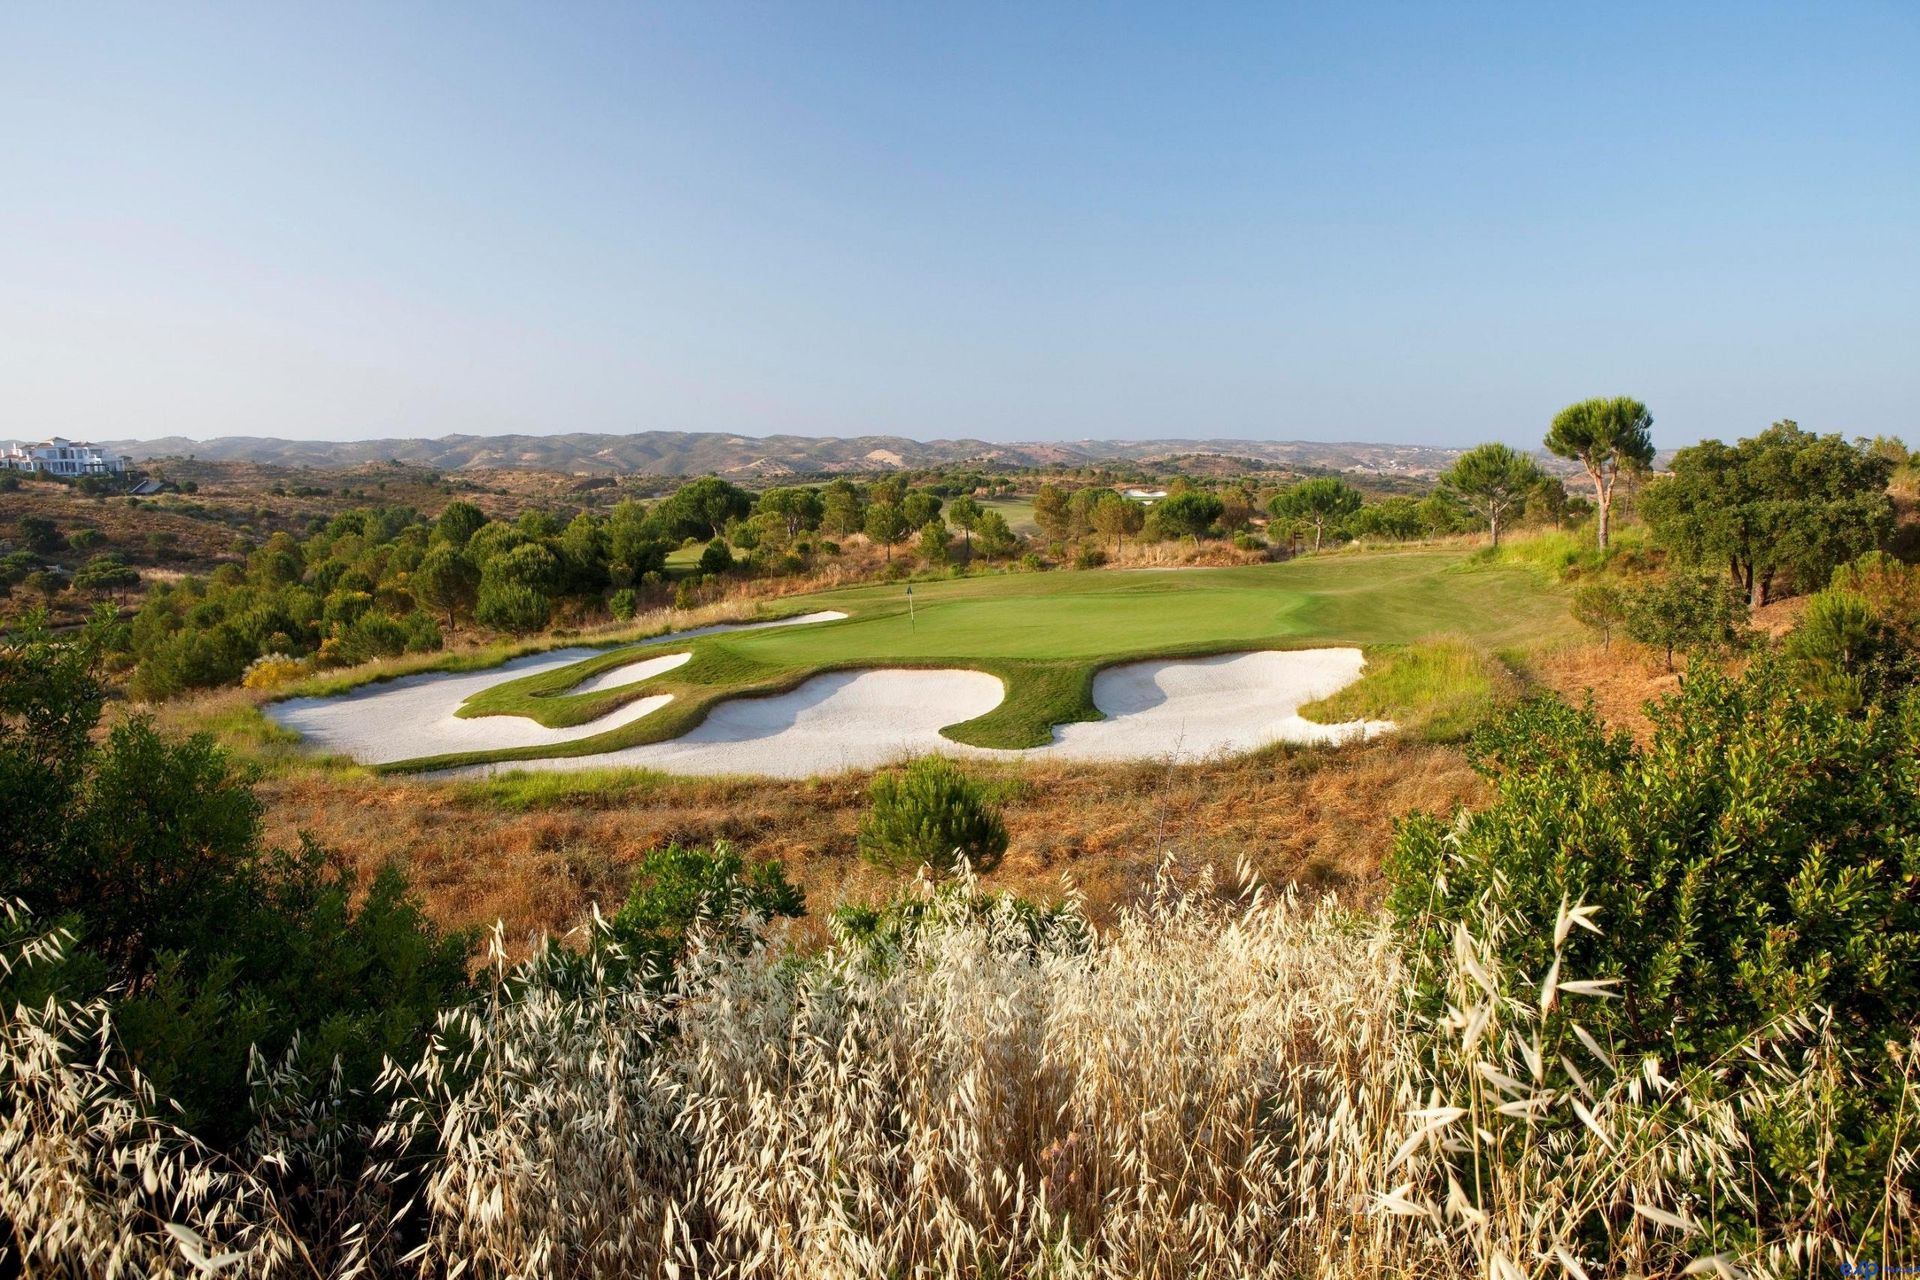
{"x": 1406, "y": 225}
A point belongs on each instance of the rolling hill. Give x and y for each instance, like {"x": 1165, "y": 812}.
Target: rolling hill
{"x": 677, "y": 453}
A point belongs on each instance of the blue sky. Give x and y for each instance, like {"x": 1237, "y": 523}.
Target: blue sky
{"x": 1424, "y": 223}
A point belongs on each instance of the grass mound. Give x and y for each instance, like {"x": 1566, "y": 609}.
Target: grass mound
{"x": 1561, "y": 555}
{"x": 1437, "y": 689}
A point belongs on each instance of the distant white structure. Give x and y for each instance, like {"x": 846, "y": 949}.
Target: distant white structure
{"x": 1147, "y": 496}
{"x": 57, "y": 457}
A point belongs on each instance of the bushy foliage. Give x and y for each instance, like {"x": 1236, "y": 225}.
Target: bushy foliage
{"x": 931, "y": 814}
{"x": 1687, "y": 612}
{"x": 681, "y": 886}
{"x": 1857, "y": 645}
{"x": 1394, "y": 519}
{"x": 1785, "y": 503}
{"x": 1844, "y": 651}
{"x": 1757, "y": 862}
{"x": 717, "y": 558}
{"x": 1599, "y": 607}
{"x": 512, "y": 606}
{"x": 1319, "y": 503}
{"x": 210, "y": 944}
{"x": 1184, "y": 515}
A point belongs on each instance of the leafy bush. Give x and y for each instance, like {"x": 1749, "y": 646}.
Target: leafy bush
{"x": 209, "y": 944}
{"x": 1599, "y": 608}
{"x": 623, "y": 604}
{"x": 717, "y": 558}
{"x": 1692, "y": 613}
{"x": 931, "y": 814}
{"x": 1858, "y": 643}
{"x": 1846, "y": 652}
{"x": 1757, "y": 862}
{"x": 680, "y": 886}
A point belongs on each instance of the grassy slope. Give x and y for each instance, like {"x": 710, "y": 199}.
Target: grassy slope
{"x": 1045, "y": 635}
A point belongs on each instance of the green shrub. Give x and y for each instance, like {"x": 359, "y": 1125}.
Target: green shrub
{"x": 1759, "y": 860}
{"x": 1845, "y": 651}
{"x": 717, "y": 558}
{"x": 623, "y": 604}
{"x": 1693, "y": 613}
{"x": 512, "y": 607}
{"x": 931, "y": 814}
{"x": 680, "y": 886}
{"x": 1600, "y": 609}
{"x": 208, "y": 942}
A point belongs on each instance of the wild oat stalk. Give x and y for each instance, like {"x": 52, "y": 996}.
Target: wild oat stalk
{"x": 1231, "y": 1084}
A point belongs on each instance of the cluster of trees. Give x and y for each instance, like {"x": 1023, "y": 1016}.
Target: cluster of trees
{"x": 1785, "y": 507}
{"x": 380, "y": 581}
{"x": 341, "y": 595}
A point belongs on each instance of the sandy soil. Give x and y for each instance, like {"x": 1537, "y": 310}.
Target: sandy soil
{"x": 632, "y": 673}
{"x": 1181, "y": 709}
{"x": 413, "y": 716}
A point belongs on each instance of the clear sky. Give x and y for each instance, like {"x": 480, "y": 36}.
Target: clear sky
{"x": 1429, "y": 223}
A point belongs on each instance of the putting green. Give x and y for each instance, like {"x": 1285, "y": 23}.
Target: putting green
{"x": 1044, "y": 635}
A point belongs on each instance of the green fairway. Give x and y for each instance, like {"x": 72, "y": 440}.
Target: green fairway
{"x": 1017, "y": 512}
{"x": 1045, "y": 635}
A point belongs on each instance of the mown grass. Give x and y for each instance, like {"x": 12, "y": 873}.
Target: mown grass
{"x": 1043, "y": 635}
{"x": 1436, "y": 690}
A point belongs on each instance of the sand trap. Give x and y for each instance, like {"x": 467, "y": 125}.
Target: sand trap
{"x": 1176, "y": 709}
{"x": 694, "y": 633}
{"x": 413, "y": 716}
{"x": 1197, "y": 708}
{"x": 632, "y": 673}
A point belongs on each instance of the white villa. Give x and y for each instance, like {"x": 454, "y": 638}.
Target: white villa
{"x": 57, "y": 457}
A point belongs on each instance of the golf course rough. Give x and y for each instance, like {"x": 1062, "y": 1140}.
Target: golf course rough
{"x": 1045, "y": 636}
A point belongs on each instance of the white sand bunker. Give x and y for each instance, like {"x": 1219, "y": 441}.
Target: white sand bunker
{"x": 1172, "y": 709}
{"x": 1198, "y": 708}
{"x": 413, "y": 716}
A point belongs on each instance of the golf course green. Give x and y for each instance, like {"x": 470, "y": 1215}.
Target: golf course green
{"x": 1044, "y": 635}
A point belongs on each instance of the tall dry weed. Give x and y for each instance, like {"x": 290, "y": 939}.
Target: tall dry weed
{"x": 1224, "y": 1083}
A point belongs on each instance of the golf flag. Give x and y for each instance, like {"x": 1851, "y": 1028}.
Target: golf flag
{"x": 910, "y": 622}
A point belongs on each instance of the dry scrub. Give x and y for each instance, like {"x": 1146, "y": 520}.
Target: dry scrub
{"x": 1209, "y": 1088}
{"x": 538, "y": 853}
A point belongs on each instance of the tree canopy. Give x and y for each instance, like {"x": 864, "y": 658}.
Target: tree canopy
{"x": 1492, "y": 481}
{"x": 1320, "y": 501}
{"x": 1603, "y": 435}
{"x": 1786, "y": 503}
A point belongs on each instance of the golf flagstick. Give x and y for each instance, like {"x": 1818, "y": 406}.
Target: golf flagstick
{"x": 910, "y": 622}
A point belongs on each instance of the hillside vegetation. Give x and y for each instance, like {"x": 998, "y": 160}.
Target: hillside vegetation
{"x": 1647, "y": 1013}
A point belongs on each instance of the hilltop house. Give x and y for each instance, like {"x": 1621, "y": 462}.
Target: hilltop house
{"x": 57, "y": 457}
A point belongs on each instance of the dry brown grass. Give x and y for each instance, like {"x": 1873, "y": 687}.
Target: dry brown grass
{"x": 1320, "y": 818}
{"x": 1621, "y": 678}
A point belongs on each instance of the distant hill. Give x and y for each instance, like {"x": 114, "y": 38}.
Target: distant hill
{"x": 684, "y": 453}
